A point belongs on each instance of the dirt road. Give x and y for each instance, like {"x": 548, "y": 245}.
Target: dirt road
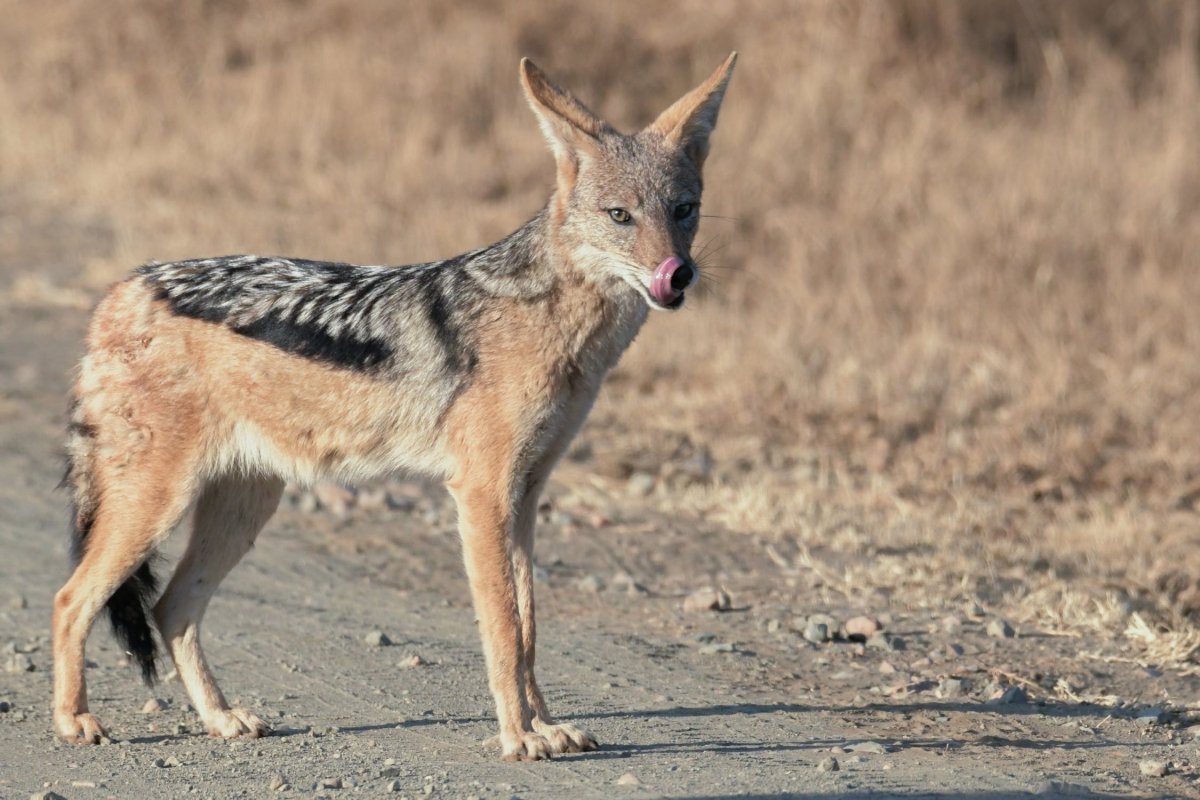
{"x": 699, "y": 704}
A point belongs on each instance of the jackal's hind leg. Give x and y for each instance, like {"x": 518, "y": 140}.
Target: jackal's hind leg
{"x": 229, "y": 514}
{"x": 119, "y": 536}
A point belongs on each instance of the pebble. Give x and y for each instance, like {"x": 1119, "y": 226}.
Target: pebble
{"x": 590, "y": 583}
{"x": 413, "y": 661}
{"x": 862, "y": 628}
{"x": 628, "y": 779}
{"x": 1154, "y": 769}
{"x": 372, "y": 498}
{"x": 277, "y": 782}
{"x": 641, "y": 483}
{"x": 951, "y": 687}
{"x": 951, "y": 624}
{"x": 166, "y": 763}
{"x": 624, "y": 582}
{"x": 887, "y": 644}
{"x": 1150, "y": 716}
{"x": 1013, "y": 695}
{"x": 5, "y": 706}
{"x": 816, "y": 632}
{"x": 46, "y": 796}
{"x": 707, "y": 600}
{"x": 335, "y": 499}
{"x": 873, "y": 748}
{"x": 19, "y": 662}
{"x": 392, "y": 786}
{"x": 377, "y": 639}
{"x": 828, "y": 764}
{"x": 973, "y": 610}
{"x": 331, "y": 783}
{"x": 713, "y": 649}
{"x": 154, "y": 705}
{"x": 1000, "y": 629}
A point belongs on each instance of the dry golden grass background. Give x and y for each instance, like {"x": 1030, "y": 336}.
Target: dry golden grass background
{"x": 950, "y": 334}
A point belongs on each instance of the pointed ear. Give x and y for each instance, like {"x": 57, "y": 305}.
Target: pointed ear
{"x": 570, "y": 127}
{"x": 690, "y": 120}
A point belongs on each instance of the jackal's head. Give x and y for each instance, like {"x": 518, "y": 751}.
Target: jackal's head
{"x": 626, "y": 207}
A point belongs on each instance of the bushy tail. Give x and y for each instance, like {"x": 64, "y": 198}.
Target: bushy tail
{"x": 129, "y": 606}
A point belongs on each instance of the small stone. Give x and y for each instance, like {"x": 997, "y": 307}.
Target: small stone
{"x": 18, "y": 602}
{"x": 1151, "y": 716}
{"x": 377, "y": 638}
{"x": 641, "y": 484}
{"x": 1000, "y": 629}
{"x": 951, "y": 624}
{"x": 277, "y": 782}
{"x": 624, "y": 582}
{"x": 5, "y": 707}
{"x": 872, "y": 748}
{"x": 973, "y": 610}
{"x": 951, "y": 687}
{"x": 336, "y": 499}
{"x": 886, "y": 668}
{"x": 392, "y": 786}
{"x": 46, "y": 796}
{"x": 154, "y": 705}
{"x": 161, "y": 763}
{"x": 707, "y": 600}
{"x": 590, "y": 583}
{"x": 713, "y": 649}
{"x": 887, "y": 644}
{"x": 331, "y": 783}
{"x": 816, "y": 632}
{"x": 19, "y": 662}
{"x": 862, "y": 628}
{"x": 773, "y": 625}
{"x": 413, "y": 661}
{"x": 1013, "y": 695}
{"x": 628, "y": 779}
{"x": 372, "y": 499}
{"x": 397, "y": 501}
{"x": 828, "y": 764}
{"x": 1154, "y": 769}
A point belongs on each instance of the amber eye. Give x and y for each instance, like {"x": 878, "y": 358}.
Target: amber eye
{"x": 684, "y": 210}
{"x": 620, "y": 216}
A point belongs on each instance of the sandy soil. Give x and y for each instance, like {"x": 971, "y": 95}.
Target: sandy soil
{"x": 690, "y": 704}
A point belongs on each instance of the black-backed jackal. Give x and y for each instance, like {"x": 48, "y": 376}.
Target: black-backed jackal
{"x": 207, "y": 384}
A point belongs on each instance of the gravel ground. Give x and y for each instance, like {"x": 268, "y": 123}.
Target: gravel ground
{"x": 756, "y": 690}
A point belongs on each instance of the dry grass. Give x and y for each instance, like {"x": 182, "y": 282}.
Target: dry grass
{"x": 950, "y": 332}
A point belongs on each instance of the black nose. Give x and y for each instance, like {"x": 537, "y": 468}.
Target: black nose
{"x": 683, "y": 277}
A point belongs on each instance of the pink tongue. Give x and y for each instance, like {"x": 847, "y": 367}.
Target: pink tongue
{"x": 660, "y": 284}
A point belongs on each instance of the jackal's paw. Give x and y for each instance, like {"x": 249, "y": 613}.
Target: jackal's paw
{"x": 524, "y": 746}
{"x": 79, "y": 728}
{"x": 566, "y": 738}
{"x": 236, "y": 722}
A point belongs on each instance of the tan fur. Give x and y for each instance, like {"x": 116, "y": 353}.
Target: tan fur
{"x": 175, "y": 411}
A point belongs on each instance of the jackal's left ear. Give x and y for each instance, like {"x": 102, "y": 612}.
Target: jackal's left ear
{"x": 570, "y": 127}
{"x": 690, "y": 120}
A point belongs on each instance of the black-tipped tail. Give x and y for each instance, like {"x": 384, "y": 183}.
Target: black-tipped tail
{"x": 129, "y": 612}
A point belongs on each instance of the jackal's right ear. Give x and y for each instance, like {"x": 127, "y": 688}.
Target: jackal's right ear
{"x": 570, "y": 127}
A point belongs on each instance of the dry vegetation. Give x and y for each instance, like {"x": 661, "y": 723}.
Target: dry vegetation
{"x": 949, "y": 340}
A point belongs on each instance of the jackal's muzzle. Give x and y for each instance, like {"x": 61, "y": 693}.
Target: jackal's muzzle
{"x": 671, "y": 278}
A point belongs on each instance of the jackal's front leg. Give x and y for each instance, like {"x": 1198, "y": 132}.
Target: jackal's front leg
{"x": 563, "y": 736}
{"x": 484, "y": 522}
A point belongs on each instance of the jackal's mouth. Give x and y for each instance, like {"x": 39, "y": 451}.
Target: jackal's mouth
{"x": 670, "y": 280}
